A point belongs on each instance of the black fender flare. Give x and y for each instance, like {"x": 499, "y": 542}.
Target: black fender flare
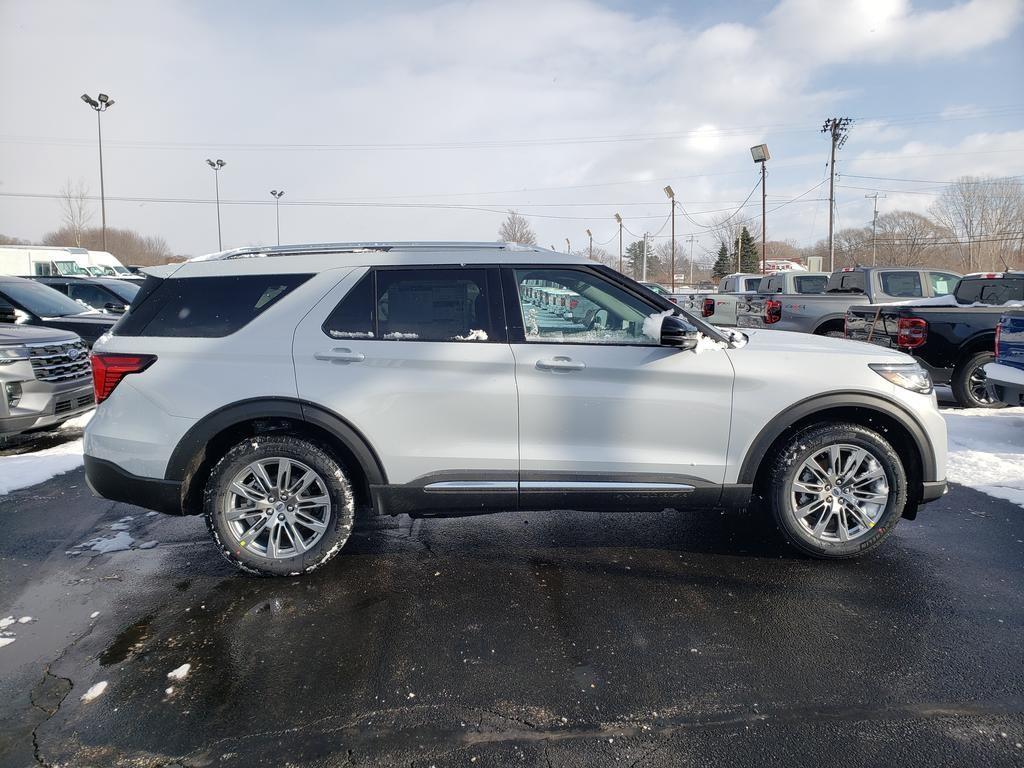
{"x": 826, "y": 320}
{"x": 194, "y": 442}
{"x": 820, "y": 403}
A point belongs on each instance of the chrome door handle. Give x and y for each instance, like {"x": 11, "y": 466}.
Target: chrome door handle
{"x": 340, "y": 355}
{"x": 561, "y": 364}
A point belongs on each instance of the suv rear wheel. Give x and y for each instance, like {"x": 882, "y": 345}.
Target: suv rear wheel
{"x": 278, "y": 506}
{"x": 837, "y": 490}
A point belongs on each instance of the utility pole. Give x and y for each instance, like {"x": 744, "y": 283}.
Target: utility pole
{"x": 672, "y": 201}
{"x": 99, "y": 105}
{"x": 216, "y": 182}
{"x": 690, "y": 238}
{"x": 761, "y": 155}
{"x": 591, "y": 236}
{"x": 277, "y": 195}
{"x": 643, "y": 269}
{"x": 619, "y": 219}
{"x": 837, "y": 128}
{"x": 874, "y": 224}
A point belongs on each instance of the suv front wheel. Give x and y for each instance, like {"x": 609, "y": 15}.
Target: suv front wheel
{"x": 837, "y": 490}
{"x": 278, "y": 506}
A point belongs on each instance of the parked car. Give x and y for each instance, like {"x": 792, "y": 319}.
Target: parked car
{"x": 1006, "y": 374}
{"x": 45, "y": 377}
{"x": 748, "y": 306}
{"x": 953, "y": 337}
{"x": 825, "y": 313}
{"x": 695, "y": 302}
{"x": 102, "y": 293}
{"x": 35, "y": 304}
{"x": 658, "y": 289}
{"x": 275, "y": 389}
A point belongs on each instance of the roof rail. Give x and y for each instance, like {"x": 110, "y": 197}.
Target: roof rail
{"x": 257, "y": 251}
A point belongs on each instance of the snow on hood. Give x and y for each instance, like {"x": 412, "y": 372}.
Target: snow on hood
{"x": 762, "y": 340}
{"x": 949, "y": 300}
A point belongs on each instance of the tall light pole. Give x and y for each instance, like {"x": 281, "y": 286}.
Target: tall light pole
{"x": 277, "y": 195}
{"x": 591, "y": 236}
{"x": 619, "y": 219}
{"x": 217, "y": 165}
{"x": 672, "y": 201}
{"x": 874, "y": 224}
{"x": 760, "y": 155}
{"x": 643, "y": 269}
{"x": 100, "y": 104}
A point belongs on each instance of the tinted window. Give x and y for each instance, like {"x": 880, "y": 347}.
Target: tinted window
{"x": 576, "y": 307}
{"x": 432, "y": 305}
{"x": 751, "y": 283}
{"x": 847, "y": 282}
{"x": 771, "y": 285}
{"x": 990, "y": 291}
{"x": 93, "y": 295}
{"x": 810, "y": 284}
{"x": 353, "y": 317}
{"x": 942, "y": 283}
{"x": 40, "y": 300}
{"x": 901, "y": 284}
{"x": 204, "y": 306}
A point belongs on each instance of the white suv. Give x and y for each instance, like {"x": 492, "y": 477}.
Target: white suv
{"x": 275, "y": 390}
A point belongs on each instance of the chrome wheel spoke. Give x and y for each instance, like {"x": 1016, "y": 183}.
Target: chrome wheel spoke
{"x": 308, "y": 521}
{"x": 253, "y": 531}
{"x": 284, "y": 475}
{"x": 251, "y": 494}
{"x": 296, "y": 537}
{"x": 259, "y": 471}
{"x": 312, "y": 502}
{"x": 823, "y": 521}
{"x": 858, "y": 515}
{"x": 809, "y": 486}
{"x": 240, "y": 513}
{"x": 841, "y": 528}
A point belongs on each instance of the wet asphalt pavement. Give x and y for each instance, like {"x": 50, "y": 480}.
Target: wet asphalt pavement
{"x": 557, "y": 639}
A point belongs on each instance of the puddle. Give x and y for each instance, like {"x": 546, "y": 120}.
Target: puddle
{"x": 128, "y": 642}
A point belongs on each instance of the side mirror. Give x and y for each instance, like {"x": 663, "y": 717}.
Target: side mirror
{"x": 112, "y": 307}
{"x": 676, "y": 332}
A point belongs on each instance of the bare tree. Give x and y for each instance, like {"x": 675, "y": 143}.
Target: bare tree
{"x": 8, "y": 240}
{"x": 127, "y": 245}
{"x": 905, "y": 239}
{"x": 985, "y": 216}
{"x": 75, "y": 209}
{"x": 516, "y": 229}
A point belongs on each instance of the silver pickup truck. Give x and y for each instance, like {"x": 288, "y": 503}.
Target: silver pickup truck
{"x": 825, "y": 313}
{"x": 703, "y": 303}
{"x": 45, "y": 378}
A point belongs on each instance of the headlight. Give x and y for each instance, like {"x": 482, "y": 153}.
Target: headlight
{"x": 13, "y": 354}
{"x": 907, "y": 375}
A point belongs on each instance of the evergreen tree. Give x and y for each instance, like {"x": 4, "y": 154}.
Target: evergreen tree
{"x": 723, "y": 264}
{"x": 750, "y": 254}
{"x": 634, "y": 257}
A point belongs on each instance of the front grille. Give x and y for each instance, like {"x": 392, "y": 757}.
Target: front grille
{"x": 65, "y": 361}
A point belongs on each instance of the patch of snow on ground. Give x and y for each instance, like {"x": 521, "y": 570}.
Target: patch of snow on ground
{"x": 6, "y": 641}
{"x": 986, "y": 450}
{"x": 34, "y": 468}
{"x": 95, "y": 691}
{"x": 180, "y": 673}
{"x": 78, "y": 422}
{"x": 120, "y": 541}
{"x": 5, "y": 623}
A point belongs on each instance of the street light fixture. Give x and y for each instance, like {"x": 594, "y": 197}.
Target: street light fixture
{"x": 591, "y": 236}
{"x": 101, "y": 104}
{"x": 619, "y": 219}
{"x": 672, "y": 201}
{"x": 277, "y": 195}
{"x": 760, "y": 155}
{"x": 217, "y": 165}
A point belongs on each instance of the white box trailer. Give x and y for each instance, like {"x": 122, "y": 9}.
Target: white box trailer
{"x": 28, "y": 260}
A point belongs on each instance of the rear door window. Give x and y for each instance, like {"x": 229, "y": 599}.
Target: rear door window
{"x": 810, "y": 283}
{"x": 204, "y": 307}
{"x": 93, "y": 295}
{"x": 943, "y": 283}
{"x": 901, "y": 284}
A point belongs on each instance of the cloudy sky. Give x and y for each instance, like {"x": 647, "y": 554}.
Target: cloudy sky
{"x": 405, "y": 120}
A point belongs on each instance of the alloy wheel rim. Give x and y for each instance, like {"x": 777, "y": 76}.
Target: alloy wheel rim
{"x": 979, "y": 386}
{"x": 277, "y": 508}
{"x": 839, "y": 493}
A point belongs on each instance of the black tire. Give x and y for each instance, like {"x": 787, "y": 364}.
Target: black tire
{"x": 785, "y": 469}
{"x": 965, "y": 391}
{"x": 332, "y": 479}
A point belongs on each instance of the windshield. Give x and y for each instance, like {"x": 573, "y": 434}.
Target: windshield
{"x": 126, "y": 291}
{"x": 41, "y": 300}
{"x": 69, "y": 268}
{"x": 121, "y": 270}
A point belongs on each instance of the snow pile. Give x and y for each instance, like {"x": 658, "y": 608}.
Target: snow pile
{"x": 399, "y": 336}
{"x": 652, "y": 324}
{"x": 117, "y": 543}
{"x": 474, "y": 334}
{"x": 986, "y": 451}
{"x": 33, "y": 468}
{"x": 95, "y": 691}
{"x": 180, "y": 673}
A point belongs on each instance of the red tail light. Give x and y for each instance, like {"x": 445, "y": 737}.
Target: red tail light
{"x": 573, "y": 303}
{"x": 772, "y": 311}
{"x": 109, "y": 369}
{"x": 911, "y": 332}
{"x": 674, "y": 301}
{"x": 708, "y": 308}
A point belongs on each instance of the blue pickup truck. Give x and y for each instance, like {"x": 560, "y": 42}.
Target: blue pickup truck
{"x": 1006, "y": 374}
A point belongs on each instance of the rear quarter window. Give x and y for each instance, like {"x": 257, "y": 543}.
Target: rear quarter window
{"x": 810, "y": 284}
{"x": 993, "y": 291}
{"x": 203, "y": 307}
{"x": 848, "y": 282}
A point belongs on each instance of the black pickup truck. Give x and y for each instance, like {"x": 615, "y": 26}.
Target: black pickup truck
{"x": 951, "y": 336}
